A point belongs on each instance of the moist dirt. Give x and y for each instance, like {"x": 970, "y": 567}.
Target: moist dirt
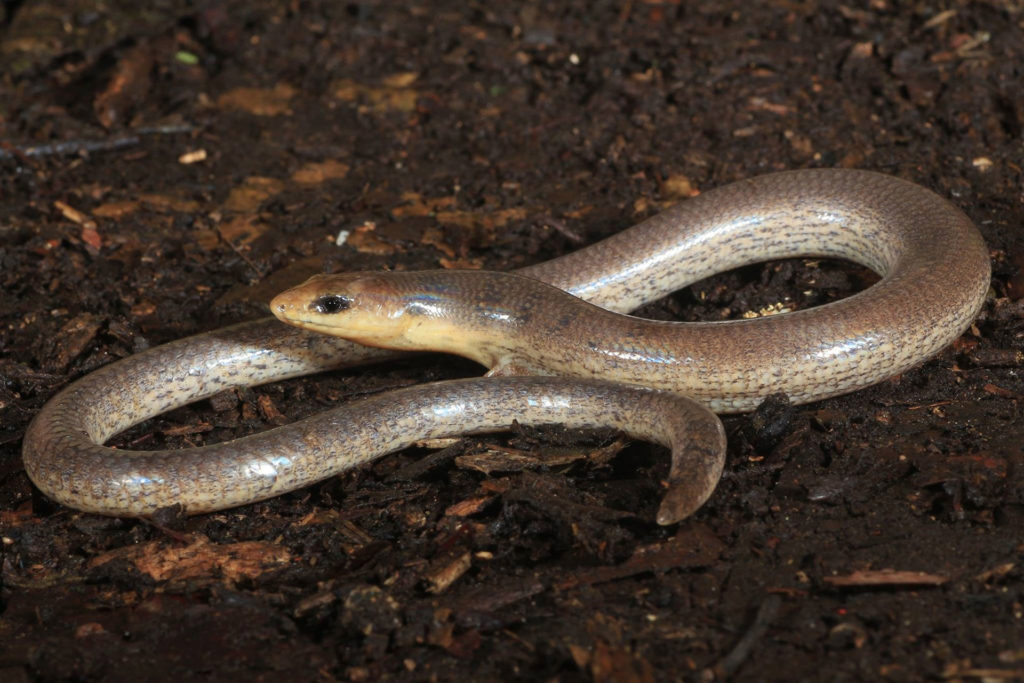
{"x": 166, "y": 168}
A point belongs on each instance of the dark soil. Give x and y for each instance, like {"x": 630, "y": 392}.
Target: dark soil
{"x": 165, "y": 170}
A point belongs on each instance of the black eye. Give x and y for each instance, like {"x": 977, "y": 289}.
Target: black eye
{"x": 332, "y": 303}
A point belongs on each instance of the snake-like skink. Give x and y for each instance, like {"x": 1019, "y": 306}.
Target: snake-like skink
{"x": 934, "y": 270}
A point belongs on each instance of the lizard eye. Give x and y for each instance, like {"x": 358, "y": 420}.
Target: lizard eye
{"x": 332, "y": 303}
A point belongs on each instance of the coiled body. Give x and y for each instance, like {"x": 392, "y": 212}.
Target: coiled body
{"x": 934, "y": 269}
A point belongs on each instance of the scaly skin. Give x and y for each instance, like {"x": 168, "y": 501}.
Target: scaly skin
{"x": 935, "y": 276}
{"x": 933, "y": 263}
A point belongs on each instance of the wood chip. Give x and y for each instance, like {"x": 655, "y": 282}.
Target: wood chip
{"x": 440, "y": 579}
{"x": 129, "y": 86}
{"x": 242, "y": 230}
{"x": 192, "y": 157}
{"x": 202, "y": 559}
{"x": 393, "y": 96}
{"x": 999, "y": 391}
{"x": 364, "y": 239}
{"x": 886, "y": 577}
{"x": 259, "y": 101}
{"x": 163, "y": 202}
{"x": 678, "y": 186}
{"x": 694, "y": 546}
{"x": 270, "y": 411}
{"x": 495, "y": 460}
{"x": 247, "y": 197}
{"x": 469, "y": 506}
{"x": 185, "y": 430}
{"x": 74, "y": 336}
{"x": 316, "y": 173}
{"x": 118, "y": 209}
{"x": 73, "y": 214}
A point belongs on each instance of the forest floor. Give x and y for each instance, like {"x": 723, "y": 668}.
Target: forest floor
{"x": 166, "y": 167}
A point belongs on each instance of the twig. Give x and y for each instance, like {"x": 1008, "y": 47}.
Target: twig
{"x": 766, "y": 614}
{"x": 9, "y": 150}
{"x": 241, "y": 255}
